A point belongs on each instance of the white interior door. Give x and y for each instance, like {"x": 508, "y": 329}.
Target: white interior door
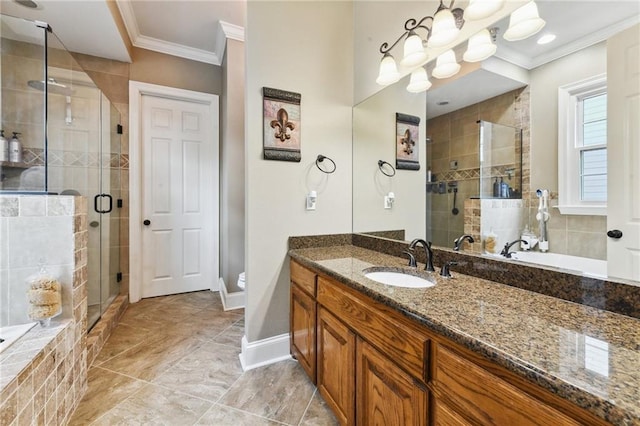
{"x": 623, "y": 87}
{"x": 177, "y": 197}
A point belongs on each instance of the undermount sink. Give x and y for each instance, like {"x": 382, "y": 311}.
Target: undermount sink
{"x": 397, "y": 279}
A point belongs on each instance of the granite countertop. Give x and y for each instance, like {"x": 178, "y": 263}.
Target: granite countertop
{"x": 585, "y": 355}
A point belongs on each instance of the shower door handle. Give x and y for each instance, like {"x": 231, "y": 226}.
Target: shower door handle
{"x": 95, "y": 203}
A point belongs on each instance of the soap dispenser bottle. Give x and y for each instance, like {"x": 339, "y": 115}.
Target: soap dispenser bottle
{"x": 4, "y": 147}
{"x": 15, "y": 149}
{"x": 504, "y": 189}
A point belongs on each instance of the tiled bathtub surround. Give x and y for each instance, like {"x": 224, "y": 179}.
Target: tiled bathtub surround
{"x": 43, "y": 375}
{"x": 543, "y": 339}
{"x": 34, "y": 230}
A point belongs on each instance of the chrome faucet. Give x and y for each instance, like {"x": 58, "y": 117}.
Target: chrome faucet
{"x": 505, "y": 251}
{"x": 457, "y": 243}
{"x": 427, "y": 252}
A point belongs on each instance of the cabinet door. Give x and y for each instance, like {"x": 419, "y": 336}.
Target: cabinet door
{"x": 303, "y": 330}
{"x": 336, "y": 366}
{"x": 486, "y": 398}
{"x": 386, "y": 394}
{"x": 443, "y": 415}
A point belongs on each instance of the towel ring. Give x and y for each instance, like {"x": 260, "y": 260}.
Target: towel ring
{"x": 320, "y": 159}
{"x": 381, "y": 164}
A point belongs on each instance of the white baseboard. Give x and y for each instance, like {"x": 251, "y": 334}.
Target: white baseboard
{"x": 230, "y": 301}
{"x": 264, "y": 352}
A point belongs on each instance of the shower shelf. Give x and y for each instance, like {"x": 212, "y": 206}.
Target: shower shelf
{"x": 5, "y": 166}
{"x": 11, "y": 164}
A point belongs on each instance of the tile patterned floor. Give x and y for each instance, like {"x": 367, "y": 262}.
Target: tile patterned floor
{"x": 174, "y": 361}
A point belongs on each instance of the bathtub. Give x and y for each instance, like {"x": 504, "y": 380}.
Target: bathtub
{"x": 12, "y": 333}
{"x": 582, "y": 265}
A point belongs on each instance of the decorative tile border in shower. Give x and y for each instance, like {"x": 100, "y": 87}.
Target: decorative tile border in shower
{"x": 35, "y": 157}
{"x": 469, "y": 174}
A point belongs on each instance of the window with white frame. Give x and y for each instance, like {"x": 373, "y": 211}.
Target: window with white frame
{"x": 582, "y": 147}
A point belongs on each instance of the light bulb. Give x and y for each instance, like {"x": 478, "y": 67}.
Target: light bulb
{"x": 480, "y": 9}
{"x": 419, "y": 81}
{"x": 524, "y": 22}
{"x": 388, "y": 71}
{"x": 446, "y": 65}
{"x": 479, "y": 47}
{"x": 444, "y": 29}
{"x": 414, "y": 53}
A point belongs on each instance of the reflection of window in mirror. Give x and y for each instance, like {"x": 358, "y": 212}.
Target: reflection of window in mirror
{"x": 582, "y": 147}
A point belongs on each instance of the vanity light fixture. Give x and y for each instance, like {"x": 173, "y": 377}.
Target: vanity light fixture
{"x": 481, "y": 45}
{"x": 524, "y": 22}
{"x": 446, "y": 65}
{"x": 419, "y": 81}
{"x": 480, "y": 9}
{"x": 445, "y": 27}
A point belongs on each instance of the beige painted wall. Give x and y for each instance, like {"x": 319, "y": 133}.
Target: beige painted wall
{"x": 374, "y": 127}
{"x": 166, "y": 70}
{"x": 288, "y": 50}
{"x": 568, "y": 234}
{"x": 232, "y": 165}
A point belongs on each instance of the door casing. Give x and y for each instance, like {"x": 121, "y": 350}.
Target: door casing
{"x": 138, "y": 89}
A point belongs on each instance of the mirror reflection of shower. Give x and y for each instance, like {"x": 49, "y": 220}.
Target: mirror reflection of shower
{"x": 56, "y": 88}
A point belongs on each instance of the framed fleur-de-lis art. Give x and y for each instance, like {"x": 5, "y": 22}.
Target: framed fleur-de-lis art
{"x": 407, "y": 133}
{"x": 281, "y": 118}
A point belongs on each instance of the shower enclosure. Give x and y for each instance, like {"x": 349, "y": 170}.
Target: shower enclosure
{"x": 70, "y": 140}
{"x": 489, "y": 168}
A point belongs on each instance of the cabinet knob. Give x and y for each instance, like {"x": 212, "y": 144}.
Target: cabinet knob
{"x": 146, "y": 222}
{"x": 614, "y": 233}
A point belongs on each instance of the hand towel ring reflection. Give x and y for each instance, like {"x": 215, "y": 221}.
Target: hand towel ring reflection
{"x": 381, "y": 164}
{"x": 320, "y": 159}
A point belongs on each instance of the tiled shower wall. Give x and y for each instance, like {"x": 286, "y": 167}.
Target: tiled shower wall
{"x": 454, "y": 136}
{"x": 22, "y": 62}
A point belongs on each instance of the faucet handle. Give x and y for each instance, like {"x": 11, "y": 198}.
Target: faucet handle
{"x": 412, "y": 259}
{"x": 444, "y": 271}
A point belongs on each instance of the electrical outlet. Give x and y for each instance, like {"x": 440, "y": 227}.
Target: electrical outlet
{"x": 388, "y": 202}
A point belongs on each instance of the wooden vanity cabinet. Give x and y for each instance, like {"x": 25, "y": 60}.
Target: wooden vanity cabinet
{"x": 336, "y": 366}
{"x": 376, "y": 366}
{"x": 483, "y": 393}
{"x": 303, "y": 318}
{"x": 386, "y": 394}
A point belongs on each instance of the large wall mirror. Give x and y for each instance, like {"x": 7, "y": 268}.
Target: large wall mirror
{"x": 512, "y": 96}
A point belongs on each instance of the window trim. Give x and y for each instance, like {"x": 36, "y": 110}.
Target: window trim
{"x": 569, "y": 201}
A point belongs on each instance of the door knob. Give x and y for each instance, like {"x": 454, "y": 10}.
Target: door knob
{"x": 147, "y": 222}
{"x": 614, "y": 233}
{"x": 94, "y": 224}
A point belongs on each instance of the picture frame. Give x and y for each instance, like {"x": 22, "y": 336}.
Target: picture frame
{"x": 407, "y": 137}
{"x": 281, "y": 125}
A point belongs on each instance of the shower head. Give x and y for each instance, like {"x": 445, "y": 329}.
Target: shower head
{"x": 53, "y": 86}
{"x": 27, "y": 3}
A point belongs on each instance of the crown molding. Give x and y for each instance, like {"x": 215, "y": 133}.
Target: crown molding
{"x": 176, "y": 49}
{"x": 225, "y": 31}
{"x": 511, "y": 55}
